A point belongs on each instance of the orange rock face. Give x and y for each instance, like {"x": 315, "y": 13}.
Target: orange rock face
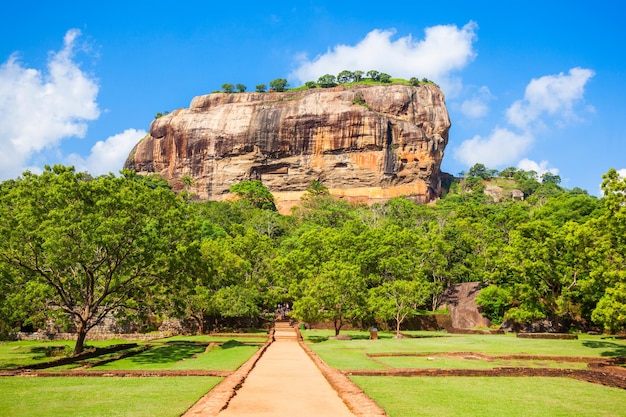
{"x": 365, "y": 143}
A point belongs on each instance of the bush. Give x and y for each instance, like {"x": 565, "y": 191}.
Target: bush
{"x": 494, "y": 302}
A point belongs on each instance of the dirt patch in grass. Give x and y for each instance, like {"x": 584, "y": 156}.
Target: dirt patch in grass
{"x": 601, "y": 371}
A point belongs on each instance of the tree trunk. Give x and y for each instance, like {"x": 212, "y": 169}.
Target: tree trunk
{"x": 80, "y": 339}
{"x": 199, "y": 319}
{"x": 201, "y": 325}
{"x": 338, "y": 325}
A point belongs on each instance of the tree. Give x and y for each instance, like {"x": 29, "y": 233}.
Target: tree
{"x": 494, "y": 301}
{"x": 254, "y": 193}
{"x": 608, "y": 274}
{"x": 480, "y": 171}
{"x": 373, "y": 75}
{"x": 345, "y": 76}
{"x": 358, "y": 75}
{"x": 549, "y": 177}
{"x": 261, "y": 88}
{"x": 99, "y": 244}
{"x": 241, "y": 88}
{"x": 508, "y": 172}
{"x": 187, "y": 182}
{"x": 327, "y": 80}
{"x": 545, "y": 264}
{"x": 398, "y": 299}
{"x": 279, "y": 84}
{"x": 228, "y": 88}
{"x": 310, "y": 84}
{"x": 414, "y": 81}
{"x": 316, "y": 189}
{"x": 611, "y": 309}
{"x": 384, "y": 78}
{"x": 336, "y": 294}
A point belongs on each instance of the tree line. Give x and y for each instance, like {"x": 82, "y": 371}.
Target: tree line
{"x": 75, "y": 248}
{"x": 327, "y": 81}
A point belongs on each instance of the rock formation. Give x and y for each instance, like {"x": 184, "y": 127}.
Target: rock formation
{"x": 365, "y": 143}
{"x": 460, "y": 299}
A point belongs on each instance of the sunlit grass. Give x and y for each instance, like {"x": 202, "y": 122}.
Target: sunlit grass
{"x": 100, "y": 397}
{"x": 351, "y": 354}
{"x": 182, "y": 355}
{"x": 497, "y": 396}
{"x": 21, "y": 353}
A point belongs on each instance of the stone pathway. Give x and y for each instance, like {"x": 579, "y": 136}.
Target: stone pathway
{"x": 283, "y": 379}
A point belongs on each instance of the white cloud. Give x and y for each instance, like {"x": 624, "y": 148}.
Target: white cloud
{"x": 445, "y": 49}
{"x": 477, "y": 106}
{"x": 554, "y": 95}
{"x": 540, "y": 168}
{"x": 501, "y": 147}
{"x": 38, "y": 109}
{"x": 108, "y": 155}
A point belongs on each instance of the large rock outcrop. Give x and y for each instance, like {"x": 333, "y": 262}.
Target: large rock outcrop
{"x": 365, "y": 143}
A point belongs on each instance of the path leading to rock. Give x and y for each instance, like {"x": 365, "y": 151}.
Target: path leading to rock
{"x": 283, "y": 381}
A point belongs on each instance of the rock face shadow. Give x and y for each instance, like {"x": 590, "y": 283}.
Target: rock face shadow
{"x": 460, "y": 299}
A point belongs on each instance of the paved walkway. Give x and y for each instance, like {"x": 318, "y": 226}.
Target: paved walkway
{"x": 282, "y": 380}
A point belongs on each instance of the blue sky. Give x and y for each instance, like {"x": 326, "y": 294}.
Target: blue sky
{"x": 534, "y": 84}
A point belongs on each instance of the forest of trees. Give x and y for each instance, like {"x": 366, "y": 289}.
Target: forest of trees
{"x": 74, "y": 248}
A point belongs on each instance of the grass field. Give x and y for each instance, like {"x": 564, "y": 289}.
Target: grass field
{"x": 185, "y": 355}
{"x": 127, "y": 396}
{"x": 501, "y": 396}
{"x": 352, "y": 354}
{"x": 402, "y": 396}
{"x": 101, "y": 397}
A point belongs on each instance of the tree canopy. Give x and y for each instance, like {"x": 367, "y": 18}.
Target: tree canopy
{"x": 74, "y": 248}
{"x": 91, "y": 245}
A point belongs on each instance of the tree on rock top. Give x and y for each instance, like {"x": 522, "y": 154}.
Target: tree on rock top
{"x": 279, "y": 84}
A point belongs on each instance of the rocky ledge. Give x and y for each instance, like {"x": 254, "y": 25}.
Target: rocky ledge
{"x": 365, "y": 143}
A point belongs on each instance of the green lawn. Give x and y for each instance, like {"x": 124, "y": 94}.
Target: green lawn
{"x": 14, "y": 354}
{"x": 112, "y": 396}
{"x": 351, "y": 354}
{"x": 181, "y": 355}
{"x": 474, "y": 396}
{"x": 501, "y": 396}
{"x": 101, "y": 397}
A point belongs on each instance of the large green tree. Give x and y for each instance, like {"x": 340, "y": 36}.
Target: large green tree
{"x": 399, "y": 299}
{"x": 609, "y": 267}
{"x": 254, "y": 193}
{"x": 98, "y": 244}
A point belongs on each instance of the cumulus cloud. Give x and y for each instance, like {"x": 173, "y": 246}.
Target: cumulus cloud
{"x": 477, "y": 106}
{"x": 108, "y": 155}
{"x": 551, "y": 95}
{"x": 501, "y": 147}
{"x": 554, "y": 95}
{"x": 444, "y": 49}
{"x": 40, "y": 108}
{"x": 540, "y": 168}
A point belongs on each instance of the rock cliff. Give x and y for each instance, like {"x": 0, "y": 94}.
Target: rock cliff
{"x": 365, "y": 143}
